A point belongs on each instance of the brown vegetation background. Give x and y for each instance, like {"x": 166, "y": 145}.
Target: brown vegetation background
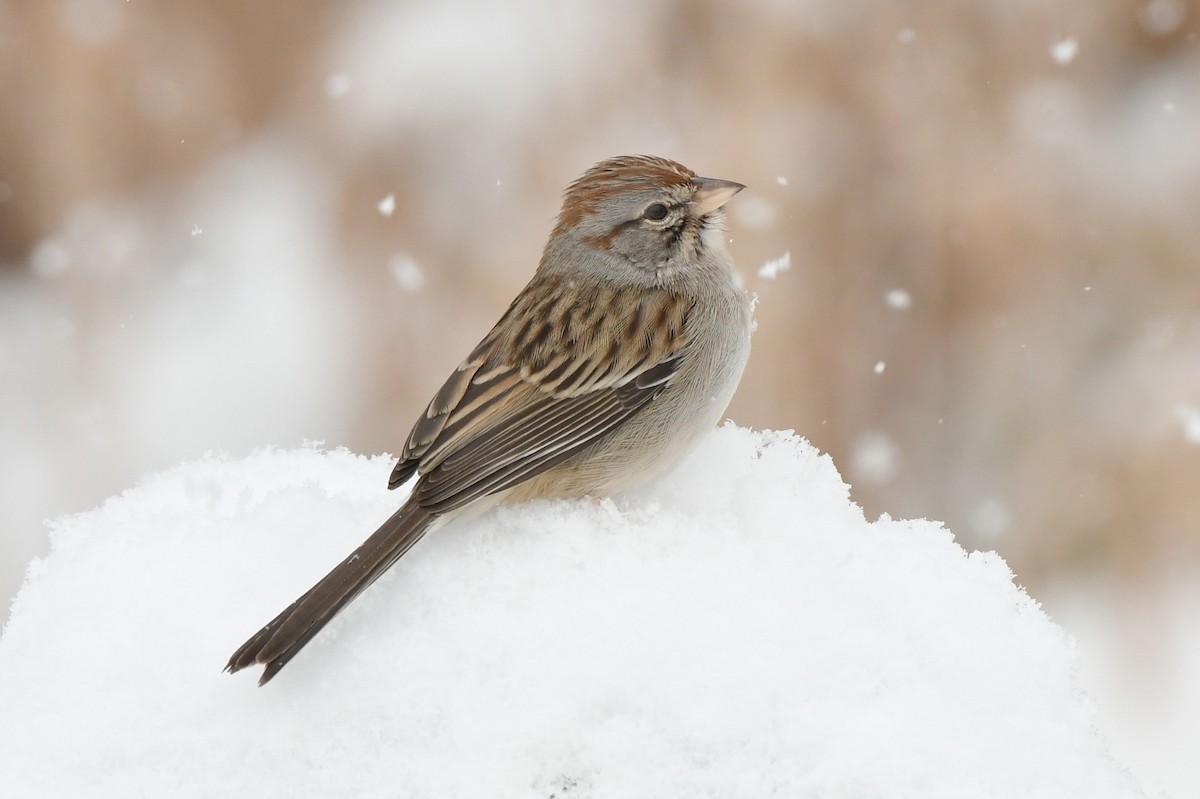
{"x": 991, "y": 212}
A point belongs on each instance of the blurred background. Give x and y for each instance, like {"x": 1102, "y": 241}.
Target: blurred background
{"x": 972, "y": 226}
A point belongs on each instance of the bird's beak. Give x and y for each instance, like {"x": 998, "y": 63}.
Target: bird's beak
{"x": 710, "y": 194}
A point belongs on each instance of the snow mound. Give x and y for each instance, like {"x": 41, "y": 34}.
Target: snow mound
{"x": 737, "y": 630}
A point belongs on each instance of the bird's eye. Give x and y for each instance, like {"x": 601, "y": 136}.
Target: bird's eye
{"x": 655, "y": 212}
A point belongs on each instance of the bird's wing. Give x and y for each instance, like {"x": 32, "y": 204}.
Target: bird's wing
{"x": 559, "y": 371}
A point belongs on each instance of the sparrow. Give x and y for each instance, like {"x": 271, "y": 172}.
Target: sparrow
{"x": 621, "y": 352}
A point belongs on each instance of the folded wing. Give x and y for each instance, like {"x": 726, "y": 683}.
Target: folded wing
{"x": 525, "y": 401}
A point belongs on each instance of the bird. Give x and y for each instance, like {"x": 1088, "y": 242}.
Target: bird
{"x": 622, "y": 351}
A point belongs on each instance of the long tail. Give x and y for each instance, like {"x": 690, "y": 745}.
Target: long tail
{"x": 285, "y": 635}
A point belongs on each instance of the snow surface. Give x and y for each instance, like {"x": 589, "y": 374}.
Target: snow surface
{"x": 737, "y": 630}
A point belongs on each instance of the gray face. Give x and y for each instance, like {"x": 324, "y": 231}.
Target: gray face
{"x": 640, "y": 220}
{"x": 651, "y": 228}
{"x": 657, "y": 229}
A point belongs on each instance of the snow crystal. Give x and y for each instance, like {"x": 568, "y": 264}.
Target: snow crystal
{"x": 1064, "y": 50}
{"x": 406, "y": 272}
{"x": 94, "y": 22}
{"x": 1190, "y": 417}
{"x": 50, "y": 258}
{"x": 338, "y": 85}
{"x": 781, "y": 180}
{"x": 738, "y": 629}
{"x": 990, "y": 519}
{"x": 771, "y": 269}
{"x": 1161, "y": 17}
{"x": 879, "y": 367}
{"x": 197, "y": 230}
{"x": 159, "y": 97}
{"x": 898, "y": 299}
{"x": 387, "y": 205}
{"x": 755, "y": 213}
{"x": 876, "y": 458}
{"x": 906, "y": 35}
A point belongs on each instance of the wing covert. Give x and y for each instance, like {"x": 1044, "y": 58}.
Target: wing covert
{"x": 535, "y": 392}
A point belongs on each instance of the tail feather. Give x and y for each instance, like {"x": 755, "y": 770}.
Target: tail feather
{"x": 285, "y": 635}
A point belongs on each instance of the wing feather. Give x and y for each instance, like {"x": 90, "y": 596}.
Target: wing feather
{"x": 535, "y": 392}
